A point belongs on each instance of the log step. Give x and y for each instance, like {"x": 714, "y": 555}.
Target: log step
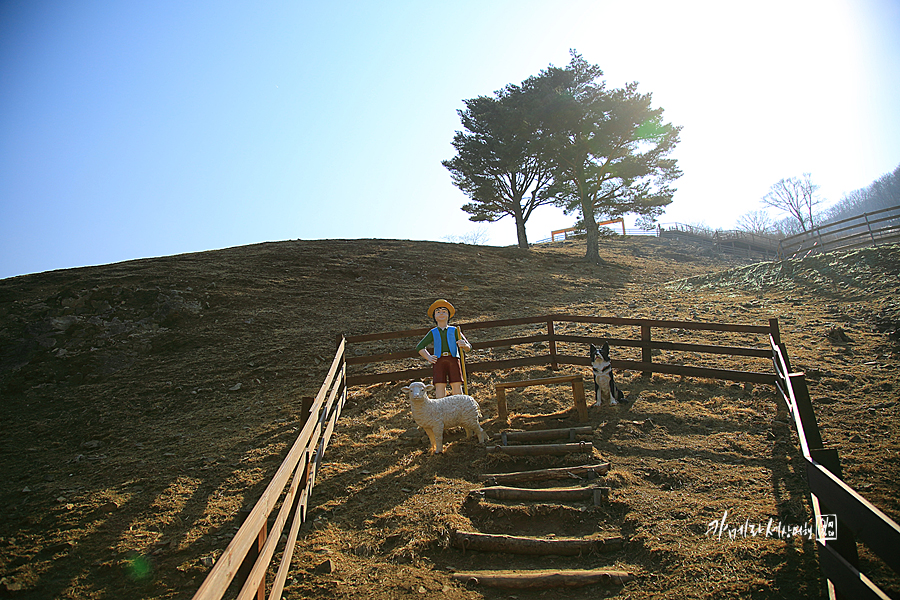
{"x": 599, "y": 495}
{"x": 541, "y": 449}
{"x": 543, "y": 435}
{"x": 511, "y": 544}
{"x": 580, "y": 472}
{"x": 542, "y": 579}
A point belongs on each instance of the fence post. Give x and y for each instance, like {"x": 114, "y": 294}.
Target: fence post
{"x": 306, "y": 403}
{"x": 774, "y": 330}
{"x": 869, "y": 225}
{"x": 260, "y": 542}
{"x": 819, "y": 234}
{"x": 553, "y": 364}
{"x": 845, "y": 544}
{"x": 250, "y": 559}
{"x": 805, "y": 409}
{"x": 646, "y": 353}
{"x": 302, "y": 469}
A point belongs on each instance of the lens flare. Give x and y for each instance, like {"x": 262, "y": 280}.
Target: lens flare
{"x": 138, "y": 567}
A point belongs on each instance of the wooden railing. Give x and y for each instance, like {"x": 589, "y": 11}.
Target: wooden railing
{"x": 554, "y": 359}
{"x": 249, "y": 555}
{"x": 867, "y": 229}
{"x": 856, "y": 517}
{"x": 741, "y": 243}
{"x": 574, "y": 230}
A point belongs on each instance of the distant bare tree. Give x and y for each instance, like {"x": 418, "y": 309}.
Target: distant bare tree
{"x": 797, "y": 197}
{"x": 702, "y": 226}
{"x": 787, "y": 226}
{"x": 758, "y": 222}
{"x": 884, "y": 192}
{"x": 476, "y": 237}
{"x": 851, "y": 204}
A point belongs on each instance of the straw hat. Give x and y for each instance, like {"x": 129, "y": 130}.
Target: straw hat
{"x": 441, "y": 304}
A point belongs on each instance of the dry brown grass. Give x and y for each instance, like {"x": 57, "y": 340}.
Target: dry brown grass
{"x": 141, "y": 514}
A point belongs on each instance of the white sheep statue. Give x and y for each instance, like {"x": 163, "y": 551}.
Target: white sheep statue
{"x": 436, "y": 414}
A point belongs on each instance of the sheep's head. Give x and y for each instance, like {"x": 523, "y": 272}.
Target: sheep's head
{"x": 418, "y": 390}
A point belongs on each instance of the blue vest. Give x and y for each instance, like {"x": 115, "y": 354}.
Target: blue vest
{"x": 451, "y": 339}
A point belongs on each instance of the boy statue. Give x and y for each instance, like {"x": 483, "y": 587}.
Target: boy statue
{"x": 447, "y": 341}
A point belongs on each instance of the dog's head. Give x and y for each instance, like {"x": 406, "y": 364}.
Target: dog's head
{"x": 602, "y": 353}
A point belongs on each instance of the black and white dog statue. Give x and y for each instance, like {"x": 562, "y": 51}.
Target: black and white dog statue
{"x": 605, "y": 389}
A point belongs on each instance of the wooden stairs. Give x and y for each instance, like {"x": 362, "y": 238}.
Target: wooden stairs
{"x": 520, "y": 492}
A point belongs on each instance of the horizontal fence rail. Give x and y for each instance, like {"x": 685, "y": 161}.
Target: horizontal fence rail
{"x": 628, "y": 232}
{"x": 554, "y": 359}
{"x": 868, "y": 229}
{"x": 564, "y": 233}
{"x": 247, "y": 559}
{"x": 560, "y": 235}
{"x": 856, "y": 517}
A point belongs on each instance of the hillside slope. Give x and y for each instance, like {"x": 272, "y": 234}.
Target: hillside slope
{"x": 145, "y": 403}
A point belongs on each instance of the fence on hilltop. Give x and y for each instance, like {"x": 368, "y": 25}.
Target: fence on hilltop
{"x": 740, "y": 243}
{"x": 629, "y": 232}
{"x": 736, "y": 242}
{"x": 244, "y": 570}
{"x": 868, "y": 229}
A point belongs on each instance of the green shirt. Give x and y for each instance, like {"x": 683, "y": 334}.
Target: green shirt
{"x": 429, "y": 339}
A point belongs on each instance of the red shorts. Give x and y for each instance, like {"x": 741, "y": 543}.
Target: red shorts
{"x": 446, "y": 368}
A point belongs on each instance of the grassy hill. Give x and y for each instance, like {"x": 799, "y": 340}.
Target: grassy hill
{"x": 145, "y": 403}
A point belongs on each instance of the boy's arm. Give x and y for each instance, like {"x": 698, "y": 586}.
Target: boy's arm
{"x": 423, "y": 351}
{"x": 462, "y": 342}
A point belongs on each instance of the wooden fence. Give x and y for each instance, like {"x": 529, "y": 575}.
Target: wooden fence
{"x": 738, "y": 243}
{"x": 243, "y": 568}
{"x": 248, "y": 557}
{"x": 575, "y": 230}
{"x": 867, "y": 229}
{"x": 856, "y": 517}
{"x": 552, "y": 358}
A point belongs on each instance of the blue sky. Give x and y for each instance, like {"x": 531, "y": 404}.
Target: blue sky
{"x": 139, "y": 129}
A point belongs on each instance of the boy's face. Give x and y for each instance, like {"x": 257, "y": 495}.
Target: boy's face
{"x": 441, "y": 315}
